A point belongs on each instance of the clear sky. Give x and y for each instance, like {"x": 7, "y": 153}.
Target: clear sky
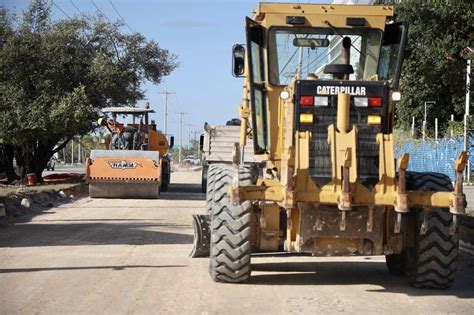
{"x": 200, "y": 32}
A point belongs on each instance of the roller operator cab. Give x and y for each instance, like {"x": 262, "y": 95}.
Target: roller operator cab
{"x": 321, "y": 84}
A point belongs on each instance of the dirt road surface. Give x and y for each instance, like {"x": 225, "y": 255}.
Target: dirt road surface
{"x": 131, "y": 256}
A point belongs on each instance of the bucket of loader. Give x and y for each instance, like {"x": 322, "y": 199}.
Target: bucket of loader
{"x": 123, "y": 174}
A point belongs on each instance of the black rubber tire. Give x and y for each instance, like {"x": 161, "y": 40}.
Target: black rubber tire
{"x": 211, "y": 174}
{"x": 205, "y": 170}
{"x": 230, "y": 231}
{"x": 165, "y": 175}
{"x": 432, "y": 263}
{"x": 396, "y": 264}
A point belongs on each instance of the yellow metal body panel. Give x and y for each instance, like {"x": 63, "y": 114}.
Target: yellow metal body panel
{"x": 158, "y": 142}
{"x": 307, "y": 9}
{"x": 269, "y": 227}
{"x": 361, "y": 196}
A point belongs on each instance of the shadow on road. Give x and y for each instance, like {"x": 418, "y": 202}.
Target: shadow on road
{"x": 118, "y": 268}
{"x": 183, "y": 192}
{"x": 38, "y": 234}
{"x": 355, "y": 273}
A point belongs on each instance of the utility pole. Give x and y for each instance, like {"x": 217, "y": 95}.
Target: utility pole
{"x": 165, "y": 120}
{"x": 468, "y": 54}
{"x": 468, "y": 94}
{"x": 180, "y": 136}
{"x": 190, "y": 132}
{"x": 466, "y": 115}
{"x": 452, "y": 119}
{"x": 424, "y": 119}
{"x": 72, "y": 151}
{"x": 79, "y": 149}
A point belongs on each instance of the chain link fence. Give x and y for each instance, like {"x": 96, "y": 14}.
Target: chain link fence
{"x": 434, "y": 155}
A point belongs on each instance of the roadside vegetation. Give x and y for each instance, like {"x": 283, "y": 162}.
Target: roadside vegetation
{"x": 434, "y": 68}
{"x": 56, "y": 75}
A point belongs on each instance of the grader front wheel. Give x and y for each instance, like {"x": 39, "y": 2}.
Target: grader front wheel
{"x": 432, "y": 262}
{"x": 230, "y": 230}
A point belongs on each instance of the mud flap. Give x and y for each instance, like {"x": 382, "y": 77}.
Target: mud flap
{"x": 202, "y": 236}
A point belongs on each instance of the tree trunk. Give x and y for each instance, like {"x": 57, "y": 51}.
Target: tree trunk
{"x": 36, "y": 161}
{"x": 42, "y": 154}
{"x": 8, "y": 155}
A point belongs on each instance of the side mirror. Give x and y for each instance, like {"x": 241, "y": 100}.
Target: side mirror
{"x": 238, "y": 60}
{"x": 171, "y": 142}
{"x": 201, "y": 143}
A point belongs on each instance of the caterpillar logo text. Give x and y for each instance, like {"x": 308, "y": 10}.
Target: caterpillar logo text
{"x": 335, "y": 90}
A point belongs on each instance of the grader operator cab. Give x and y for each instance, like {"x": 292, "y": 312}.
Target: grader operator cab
{"x": 136, "y": 162}
{"x": 320, "y": 91}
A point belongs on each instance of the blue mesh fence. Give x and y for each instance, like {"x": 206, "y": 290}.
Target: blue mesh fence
{"x": 434, "y": 156}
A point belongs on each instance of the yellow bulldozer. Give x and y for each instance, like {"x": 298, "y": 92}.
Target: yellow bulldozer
{"x": 136, "y": 161}
{"x": 321, "y": 84}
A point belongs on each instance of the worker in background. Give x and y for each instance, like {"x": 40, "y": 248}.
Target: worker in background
{"x": 116, "y": 129}
{"x": 112, "y": 126}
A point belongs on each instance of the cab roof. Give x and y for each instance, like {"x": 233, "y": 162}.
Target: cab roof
{"x": 324, "y": 9}
{"x": 126, "y": 110}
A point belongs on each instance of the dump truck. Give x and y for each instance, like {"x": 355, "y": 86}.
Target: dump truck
{"x": 321, "y": 85}
{"x": 135, "y": 162}
{"x": 216, "y": 145}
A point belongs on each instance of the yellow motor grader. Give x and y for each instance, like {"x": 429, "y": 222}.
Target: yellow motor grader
{"x": 321, "y": 84}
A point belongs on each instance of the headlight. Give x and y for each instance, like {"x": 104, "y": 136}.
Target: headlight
{"x": 284, "y": 95}
{"x": 396, "y": 96}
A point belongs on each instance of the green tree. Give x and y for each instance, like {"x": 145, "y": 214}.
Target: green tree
{"x": 434, "y": 69}
{"x": 56, "y": 75}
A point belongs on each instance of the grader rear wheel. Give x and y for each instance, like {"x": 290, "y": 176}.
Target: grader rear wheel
{"x": 432, "y": 262}
{"x": 230, "y": 230}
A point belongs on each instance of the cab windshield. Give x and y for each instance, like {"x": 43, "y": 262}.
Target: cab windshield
{"x": 308, "y": 50}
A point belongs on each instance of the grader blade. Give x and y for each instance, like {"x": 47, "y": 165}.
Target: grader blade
{"x": 202, "y": 236}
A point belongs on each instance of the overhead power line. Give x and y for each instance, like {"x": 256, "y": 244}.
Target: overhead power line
{"x": 121, "y": 17}
{"x": 59, "y": 8}
{"x": 75, "y": 6}
{"x": 99, "y": 10}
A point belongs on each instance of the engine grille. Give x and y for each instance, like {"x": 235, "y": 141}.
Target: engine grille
{"x": 320, "y": 165}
